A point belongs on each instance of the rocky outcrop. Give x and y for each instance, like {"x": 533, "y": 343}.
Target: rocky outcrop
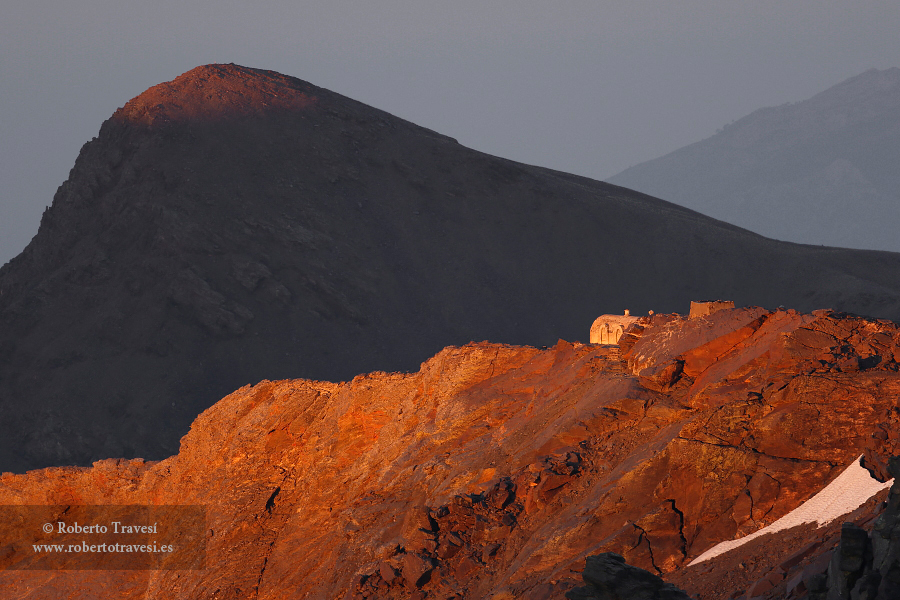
{"x": 495, "y": 470}
{"x": 609, "y": 578}
{"x": 235, "y": 225}
{"x": 884, "y": 444}
{"x": 865, "y": 565}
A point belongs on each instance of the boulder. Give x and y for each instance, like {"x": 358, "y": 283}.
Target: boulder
{"x": 608, "y": 577}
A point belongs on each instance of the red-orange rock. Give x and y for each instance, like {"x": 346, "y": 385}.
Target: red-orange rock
{"x": 317, "y": 489}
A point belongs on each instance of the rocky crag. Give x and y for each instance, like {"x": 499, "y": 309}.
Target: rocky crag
{"x": 495, "y": 470}
{"x": 855, "y": 557}
{"x": 866, "y": 564}
{"x": 235, "y": 225}
{"x": 608, "y": 577}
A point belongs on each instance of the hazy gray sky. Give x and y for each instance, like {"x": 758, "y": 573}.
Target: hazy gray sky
{"x": 584, "y": 86}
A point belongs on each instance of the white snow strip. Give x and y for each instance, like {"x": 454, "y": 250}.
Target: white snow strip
{"x": 846, "y": 493}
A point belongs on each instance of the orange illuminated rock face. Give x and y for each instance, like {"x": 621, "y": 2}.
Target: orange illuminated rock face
{"x": 217, "y": 92}
{"x": 495, "y": 470}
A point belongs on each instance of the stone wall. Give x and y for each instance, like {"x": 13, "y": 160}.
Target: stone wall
{"x": 701, "y": 309}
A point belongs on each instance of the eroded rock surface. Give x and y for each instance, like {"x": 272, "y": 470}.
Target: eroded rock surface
{"x": 495, "y": 470}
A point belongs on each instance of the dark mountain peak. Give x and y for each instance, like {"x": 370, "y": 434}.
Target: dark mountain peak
{"x": 217, "y": 91}
{"x": 235, "y": 225}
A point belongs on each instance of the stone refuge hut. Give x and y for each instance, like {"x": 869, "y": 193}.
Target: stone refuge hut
{"x": 607, "y": 329}
{"x": 701, "y": 309}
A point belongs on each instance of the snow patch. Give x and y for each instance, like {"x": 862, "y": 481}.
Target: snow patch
{"x": 846, "y": 493}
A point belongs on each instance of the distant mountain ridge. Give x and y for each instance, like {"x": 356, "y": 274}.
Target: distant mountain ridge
{"x": 236, "y": 224}
{"x": 820, "y": 171}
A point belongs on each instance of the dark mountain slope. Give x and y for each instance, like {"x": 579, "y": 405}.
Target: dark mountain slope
{"x": 236, "y": 224}
{"x": 820, "y": 171}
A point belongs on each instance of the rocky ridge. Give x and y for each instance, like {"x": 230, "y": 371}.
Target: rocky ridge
{"x": 236, "y": 224}
{"x": 495, "y": 470}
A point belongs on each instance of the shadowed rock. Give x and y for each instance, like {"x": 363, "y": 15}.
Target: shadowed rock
{"x": 866, "y": 564}
{"x": 609, "y": 578}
